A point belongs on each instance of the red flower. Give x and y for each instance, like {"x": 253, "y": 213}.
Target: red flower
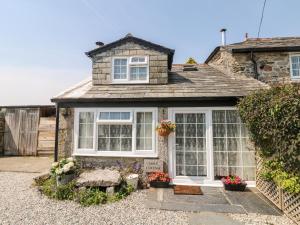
{"x": 232, "y": 180}
{"x": 159, "y": 176}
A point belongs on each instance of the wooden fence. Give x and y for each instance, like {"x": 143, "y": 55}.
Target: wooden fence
{"x": 28, "y": 131}
{"x": 21, "y": 127}
{"x": 2, "y": 126}
{"x": 288, "y": 203}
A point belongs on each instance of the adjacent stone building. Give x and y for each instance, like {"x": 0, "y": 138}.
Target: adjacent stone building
{"x": 266, "y": 59}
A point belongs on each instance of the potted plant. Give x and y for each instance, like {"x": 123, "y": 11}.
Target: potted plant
{"x": 64, "y": 171}
{"x": 159, "y": 179}
{"x": 234, "y": 183}
{"x": 165, "y": 128}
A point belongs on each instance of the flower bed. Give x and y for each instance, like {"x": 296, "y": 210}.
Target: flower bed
{"x": 61, "y": 185}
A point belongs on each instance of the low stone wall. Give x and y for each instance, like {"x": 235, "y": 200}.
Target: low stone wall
{"x": 288, "y": 203}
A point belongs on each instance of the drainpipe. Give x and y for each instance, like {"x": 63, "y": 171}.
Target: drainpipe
{"x": 56, "y": 133}
{"x": 254, "y": 65}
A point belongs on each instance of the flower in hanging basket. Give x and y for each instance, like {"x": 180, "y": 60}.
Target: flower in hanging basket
{"x": 165, "y": 128}
{"x": 234, "y": 183}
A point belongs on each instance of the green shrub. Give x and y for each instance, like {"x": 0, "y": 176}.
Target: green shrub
{"x": 273, "y": 118}
{"x": 48, "y": 187}
{"x": 91, "y": 196}
{"x": 62, "y": 192}
{"x": 65, "y": 192}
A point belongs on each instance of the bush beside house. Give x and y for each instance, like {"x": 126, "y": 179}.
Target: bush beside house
{"x": 273, "y": 119}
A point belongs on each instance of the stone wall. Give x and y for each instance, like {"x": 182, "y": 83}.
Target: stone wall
{"x": 66, "y": 145}
{"x": 66, "y": 132}
{"x": 272, "y": 67}
{"x": 158, "y": 63}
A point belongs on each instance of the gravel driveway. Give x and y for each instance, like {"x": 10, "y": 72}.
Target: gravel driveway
{"x": 20, "y": 203}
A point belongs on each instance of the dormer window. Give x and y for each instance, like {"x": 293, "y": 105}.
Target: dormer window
{"x": 130, "y": 69}
{"x": 295, "y": 66}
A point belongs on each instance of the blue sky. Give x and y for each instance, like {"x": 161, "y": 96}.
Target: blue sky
{"x": 42, "y": 43}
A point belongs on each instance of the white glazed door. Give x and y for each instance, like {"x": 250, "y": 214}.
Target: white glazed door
{"x": 190, "y": 145}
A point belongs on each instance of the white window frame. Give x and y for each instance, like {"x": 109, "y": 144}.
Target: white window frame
{"x": 134, "y": 153}
{"x": 291, "y": 69}
{"x": 129, "y": 63}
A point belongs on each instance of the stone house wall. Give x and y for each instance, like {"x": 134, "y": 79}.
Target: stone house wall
{"x": 158, "y": 63}
{"x": 272, "y": 67}
{"x": 66, "y": 145}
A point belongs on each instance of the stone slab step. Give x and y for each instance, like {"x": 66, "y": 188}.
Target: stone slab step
{"x": 210, "y": 218}
{"x": 190, "y": 207}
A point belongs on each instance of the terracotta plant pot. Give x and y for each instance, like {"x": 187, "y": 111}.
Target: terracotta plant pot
{"x": 159, "y": 184}
{"x": 164, "y": 132}
{"x": 235, "y": 187}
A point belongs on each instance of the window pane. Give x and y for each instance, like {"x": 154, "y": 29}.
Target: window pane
{"x": 126, "y": 130}
{"x": 114, "y": 137}
{"x": 140, "y": 143}
{"x": 115, "y": 144}
{"x": 120, "y": 68}
{"x": 126, "y": 144}
{"x": 103, "y": 144}
{"x": 104, "y": 115}
{"x": 114, "y": 115}
{"x": 138, "y": 73}
{"x": 144, "y": 130}
{"x": 115, "y": 130}
{"x": 86, "y": 130}
{"x": 231, "y": 153}
{"x": 148, "y": 143}
{"x": 148, "y": 130}
{"x": 140, "y": 130}
{"x": 218, "y": 116}
{"x": 148, "y": 117}
{"x": 125, "y": 115}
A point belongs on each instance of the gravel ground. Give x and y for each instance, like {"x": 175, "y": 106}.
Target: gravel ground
{"x": 20, "y": 203}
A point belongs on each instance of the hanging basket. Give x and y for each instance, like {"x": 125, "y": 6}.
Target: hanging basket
{"x": 163, "y": 132}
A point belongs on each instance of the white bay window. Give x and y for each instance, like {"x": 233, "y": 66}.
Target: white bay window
{"x": 115, "y": 132}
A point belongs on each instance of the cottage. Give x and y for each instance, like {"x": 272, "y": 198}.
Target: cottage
{"x": 111, "y": 117}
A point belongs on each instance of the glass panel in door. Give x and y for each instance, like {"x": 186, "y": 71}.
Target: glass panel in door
{"x": 190, "y": 142}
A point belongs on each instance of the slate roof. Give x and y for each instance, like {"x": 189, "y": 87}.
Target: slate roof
{"x": 206, "y": 82}
{"x": 261, "y": 45}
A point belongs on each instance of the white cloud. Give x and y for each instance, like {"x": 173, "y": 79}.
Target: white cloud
{"x": 35, "y": 86}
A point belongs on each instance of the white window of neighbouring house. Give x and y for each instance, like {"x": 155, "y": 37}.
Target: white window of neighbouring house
{"x": 119, "y": 132}
{"x": 295, "y": 66}
{"x": 230, "y": 151}
{"x": 131, "y": 70}
{"x": 86, "y": 130}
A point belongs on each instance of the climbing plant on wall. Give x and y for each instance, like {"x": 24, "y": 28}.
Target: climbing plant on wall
{"x": 273, "y": 119}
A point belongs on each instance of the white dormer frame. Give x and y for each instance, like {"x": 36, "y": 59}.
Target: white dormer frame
{"x": 129, "y": 63}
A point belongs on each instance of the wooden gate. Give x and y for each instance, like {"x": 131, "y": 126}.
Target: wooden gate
{"x": 21, "y": 128}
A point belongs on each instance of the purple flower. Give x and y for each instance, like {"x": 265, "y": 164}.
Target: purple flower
{"x": 119, "y": 164}
{"x": 136, "y": 166}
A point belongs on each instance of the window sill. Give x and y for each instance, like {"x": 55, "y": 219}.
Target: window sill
{"x": 97, "y": 154}
{"x": 130, "y": 82}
